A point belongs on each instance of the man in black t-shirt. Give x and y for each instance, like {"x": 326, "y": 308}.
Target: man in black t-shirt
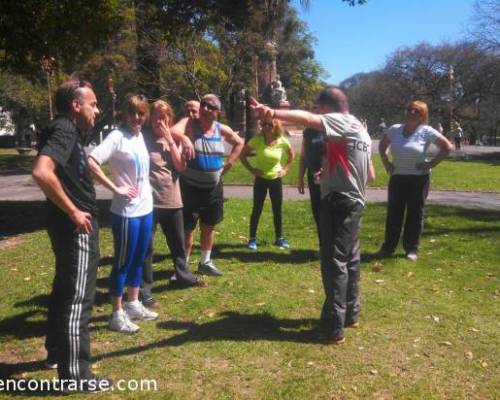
{"x": 62, "y": 173}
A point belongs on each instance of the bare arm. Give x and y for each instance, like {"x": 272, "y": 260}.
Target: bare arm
{"x": 126, "y": 191}
{"x": 383, "y": 149}
{"x": 444, "y": 146}
{"x": 302, "y": 168}
{"x": 299, "y": 117}
{"x": 371, "y": 171}
{"x": 244, "y": 160}
{"x": 288, "y": 163}
{"x": 45, "y": 176}
{"x": 234, "y": 140}
{"x": 180, "y": 134}
{"x": 175, "y": 153}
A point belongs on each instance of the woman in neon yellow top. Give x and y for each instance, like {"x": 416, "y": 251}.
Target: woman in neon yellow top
{"x": 269, "y": 146}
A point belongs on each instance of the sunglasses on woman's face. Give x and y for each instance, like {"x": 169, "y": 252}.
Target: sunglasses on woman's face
{"x": 413, "y": 111}
{"x": 208, "y": 106}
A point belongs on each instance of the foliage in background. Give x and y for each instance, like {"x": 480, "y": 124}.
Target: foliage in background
{"x": 463, "y": 73}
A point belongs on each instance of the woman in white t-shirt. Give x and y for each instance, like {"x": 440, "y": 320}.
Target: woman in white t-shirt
{"x": 131, "y": 208}
{"x": 409, "y": 169}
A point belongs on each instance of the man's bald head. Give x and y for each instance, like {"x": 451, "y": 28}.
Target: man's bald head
{"x": 192, "y": 109}
{"x": 334, "y": 98}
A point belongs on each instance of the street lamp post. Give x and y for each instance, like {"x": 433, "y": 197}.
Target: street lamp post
{"x": 47, "y": 64}
{"x": 111, "y": 89}
{"x": 451, "y": 80}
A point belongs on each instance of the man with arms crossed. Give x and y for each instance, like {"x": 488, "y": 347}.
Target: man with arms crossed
{"x": 201, "y": 183}
{"x": 346, "y": 168}
{"x": 62, "y": 173}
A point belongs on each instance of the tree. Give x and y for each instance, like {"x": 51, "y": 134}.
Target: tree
{"x": 458, "y": 81}
{"x": 68, "y": 30}
{"x": 486, "y": 24}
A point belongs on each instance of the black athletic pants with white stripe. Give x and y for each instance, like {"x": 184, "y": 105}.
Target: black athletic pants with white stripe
{"x": 72, "y": 297}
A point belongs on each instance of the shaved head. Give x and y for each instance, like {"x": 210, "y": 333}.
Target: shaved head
{"x": 335, "y": 98}
{"x": 192, "y": 109}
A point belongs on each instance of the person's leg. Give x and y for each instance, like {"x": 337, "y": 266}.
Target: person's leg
{"x": 354, "y": 272}
{"x": 56, "y": 298}
{"x": 327, "y": 253}
{"x": 343, "y": 217}
{"x": 276, "y": 195}
{"x": 396, "y": 205}
{"x": 259, "y": 196}
{"x": 188, "y": 240}
{"x": 144, "y": 227}
{"x": 172, "y": 225}
{"x": 77, "y": 256}
{"x": 147, "y": 273}
{"x": 190, "y": 212}
{"x": 207, "y": 237}
{"x": 417, "y": 194}
{"x": 125, "y": 236}
{"x": 211, "y": 213}
{"x": 315, "y": 196}
{"x": 135, "y": 309}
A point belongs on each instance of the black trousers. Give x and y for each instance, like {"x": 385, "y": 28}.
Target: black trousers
{"x": 315, "y": 196}
{"x": 172, "y": 225}
{"x": 72, "y": 297}
{"x": 340, "y": 262}
{"x": 260, "y": 188}
{"x": 406, "y": 193}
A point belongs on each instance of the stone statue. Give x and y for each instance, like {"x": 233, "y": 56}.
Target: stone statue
{"x": 278, "y": 92}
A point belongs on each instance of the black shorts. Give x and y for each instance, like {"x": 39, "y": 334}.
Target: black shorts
{"x": 203, "y": 204}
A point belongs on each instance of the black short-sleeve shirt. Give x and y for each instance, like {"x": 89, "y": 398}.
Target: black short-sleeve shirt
{"x": 313, "y": 149}
{"x": 61, "y": 141}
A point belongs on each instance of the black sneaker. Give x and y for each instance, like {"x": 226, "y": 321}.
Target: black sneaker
{"x": 51, "y": 361}
{"x": 209, "y": 269}
{"x": 177, "y": 284}
{"x": 150, "y": 302}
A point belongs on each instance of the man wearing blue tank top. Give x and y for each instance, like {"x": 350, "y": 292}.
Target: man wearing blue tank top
{"x": 201, "y": 184}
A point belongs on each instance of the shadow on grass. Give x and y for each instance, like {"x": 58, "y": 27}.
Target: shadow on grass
{"x": 17, "y": 217}
{"x": 239, "y": 251}
{"x": 232, "y": 326}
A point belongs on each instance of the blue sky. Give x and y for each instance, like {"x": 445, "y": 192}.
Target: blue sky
{"x": 359, "y": 39}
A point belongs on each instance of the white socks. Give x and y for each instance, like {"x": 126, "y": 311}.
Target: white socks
{"x": 205, "y": 256}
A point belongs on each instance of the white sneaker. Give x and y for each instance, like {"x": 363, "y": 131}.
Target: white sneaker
{"x": 120, "y": 322}
{"x": 137, "y": 311}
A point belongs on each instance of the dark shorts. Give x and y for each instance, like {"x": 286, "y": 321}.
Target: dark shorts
{"x": 203, "y": 204}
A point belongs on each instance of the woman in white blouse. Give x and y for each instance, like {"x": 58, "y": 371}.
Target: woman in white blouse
{"x": 409, "y": 169}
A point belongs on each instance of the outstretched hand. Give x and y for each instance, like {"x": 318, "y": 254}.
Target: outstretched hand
{"x": 262, "y": 111}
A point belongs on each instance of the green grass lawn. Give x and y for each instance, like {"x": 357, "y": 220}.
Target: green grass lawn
{"x": 481, "y": 176}
{"x": 10, "y": 159}
{"x": 429, "y": 330}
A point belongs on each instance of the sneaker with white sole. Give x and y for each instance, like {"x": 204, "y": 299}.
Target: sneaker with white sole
{"x": 252, "y": 244}
{"x": 282, "y": 243}
{"x": 137, "y": 311}
{"x": 120, "y": 322}
{"x": 209, "y": 268}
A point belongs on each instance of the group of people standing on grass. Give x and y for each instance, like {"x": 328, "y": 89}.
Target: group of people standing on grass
{"x": 170, "y": 174}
